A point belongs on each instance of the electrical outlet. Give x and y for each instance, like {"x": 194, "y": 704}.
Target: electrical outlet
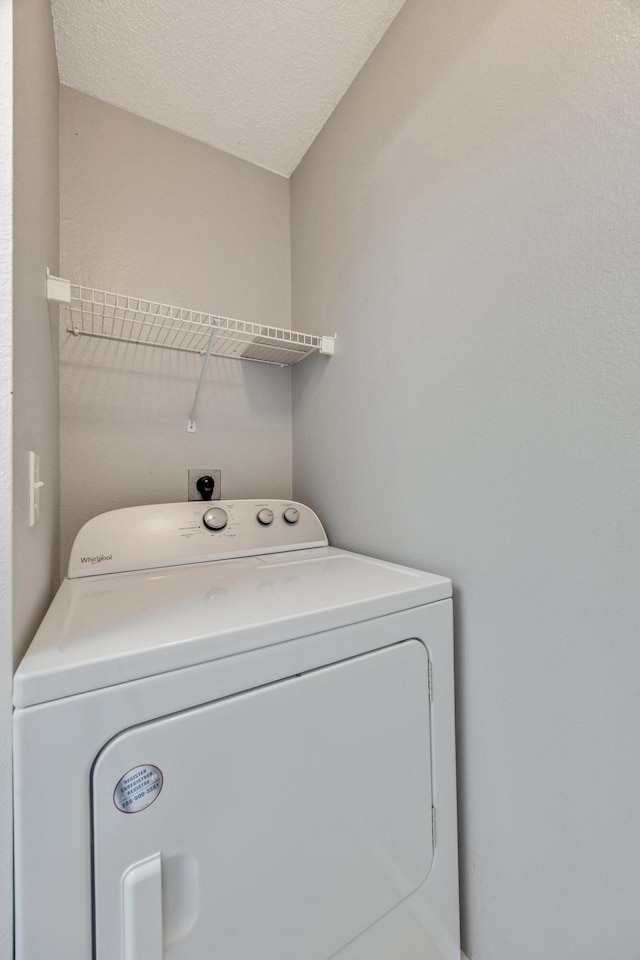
{"x": 193, "y": 477}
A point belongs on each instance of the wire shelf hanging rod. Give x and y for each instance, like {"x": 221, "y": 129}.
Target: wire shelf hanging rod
{"x": 197, "y": 351}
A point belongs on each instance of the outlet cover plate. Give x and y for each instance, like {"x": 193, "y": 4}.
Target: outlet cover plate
{"x": 194, "y": 475}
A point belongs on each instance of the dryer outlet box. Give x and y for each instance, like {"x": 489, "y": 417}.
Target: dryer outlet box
{"x": 195, "y": 474}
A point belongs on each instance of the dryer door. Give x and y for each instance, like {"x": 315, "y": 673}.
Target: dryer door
{"x": 276, "y": 824}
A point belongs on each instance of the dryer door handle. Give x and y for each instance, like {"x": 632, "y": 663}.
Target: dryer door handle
{"x": 142, "y": 910}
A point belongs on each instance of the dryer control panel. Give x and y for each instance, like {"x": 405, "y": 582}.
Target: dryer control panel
{"x": 168, "y": 534}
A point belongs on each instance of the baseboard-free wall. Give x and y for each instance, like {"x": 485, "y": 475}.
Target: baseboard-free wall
{"x": 28, "y": 362}
{"x": 148, "y": 212}
{"x": 36, "y": 231}
{"x": 6, "y": 462}
{"x": 468, "y": 222}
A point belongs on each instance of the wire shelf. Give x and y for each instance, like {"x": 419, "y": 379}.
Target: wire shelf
{"x": 114, "y": 316}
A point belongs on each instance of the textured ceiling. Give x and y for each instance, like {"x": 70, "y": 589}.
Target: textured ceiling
{"x": 257, "y": 78}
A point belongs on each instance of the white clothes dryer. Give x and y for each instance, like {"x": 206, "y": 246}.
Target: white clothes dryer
{"x": 234, "y": 742}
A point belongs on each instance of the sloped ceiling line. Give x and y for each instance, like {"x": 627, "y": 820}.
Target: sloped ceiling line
{"x": 255, "y": 78}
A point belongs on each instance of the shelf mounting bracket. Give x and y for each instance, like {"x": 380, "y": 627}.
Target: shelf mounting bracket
{"x": 328, "y": 346}
{"x": 191, "y": 422}
{"x": 58, "y": 290}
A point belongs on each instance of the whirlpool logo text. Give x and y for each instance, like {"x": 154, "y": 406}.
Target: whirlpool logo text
{"x": 99, "y": 559}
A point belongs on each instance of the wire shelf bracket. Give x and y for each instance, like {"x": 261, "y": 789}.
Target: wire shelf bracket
{"x": 114, "y": 316}
{"x": 58, "y": 290}
{"x": 191, "y": 422}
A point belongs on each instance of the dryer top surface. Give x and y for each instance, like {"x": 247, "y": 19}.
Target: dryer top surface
{"x": 105, "y": 630}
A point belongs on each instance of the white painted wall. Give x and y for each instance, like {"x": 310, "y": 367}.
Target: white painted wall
{"x": 468, "y": 220}
{"x": 35, "y": 347}
{"x": 28, "y": 361}
{"x": 6, "y": 457}
{"x": 148, "y": 212}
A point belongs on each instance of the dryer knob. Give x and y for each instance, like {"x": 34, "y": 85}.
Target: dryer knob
{"x": 215, "y": 518}
{"x": 265, "y": 516}
{"x": 291, "y": 515}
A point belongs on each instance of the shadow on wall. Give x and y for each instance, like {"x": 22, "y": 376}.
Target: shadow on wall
{"x": 119, "y": 381}
{"x": 124, "y": 438}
